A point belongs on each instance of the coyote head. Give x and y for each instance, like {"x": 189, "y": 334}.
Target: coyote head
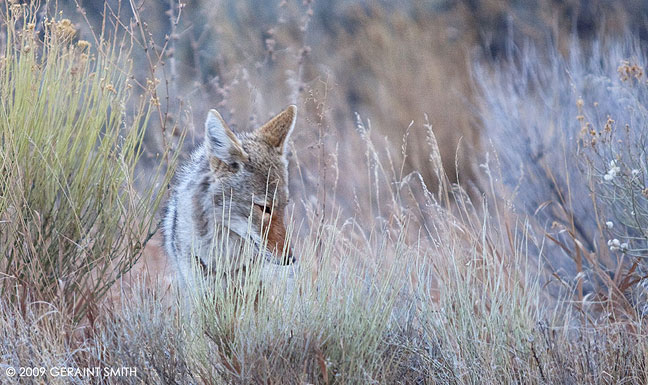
{"x": 249, "y": 176}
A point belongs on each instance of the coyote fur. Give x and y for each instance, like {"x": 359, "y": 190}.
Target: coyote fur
{"x": 232, "y": 189}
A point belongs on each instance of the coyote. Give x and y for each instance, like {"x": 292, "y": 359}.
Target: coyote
{"x": 233, "y": 188}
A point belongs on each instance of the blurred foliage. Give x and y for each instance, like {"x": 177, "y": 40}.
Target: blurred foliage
{"x": 390, "y": 61}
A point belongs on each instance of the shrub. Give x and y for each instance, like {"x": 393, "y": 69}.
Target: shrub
{"x": 70, "y": 219}
{"x": 569, "y": 133}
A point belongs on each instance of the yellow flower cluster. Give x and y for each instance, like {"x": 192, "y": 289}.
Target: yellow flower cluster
{"x": 62, "y": 29}
{"x": 629, "y": 71}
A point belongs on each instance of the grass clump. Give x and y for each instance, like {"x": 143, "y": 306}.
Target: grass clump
{"x": 70, "y": 220}
{"x": 292, "y": 324}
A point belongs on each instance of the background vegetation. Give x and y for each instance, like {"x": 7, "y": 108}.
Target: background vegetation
{"x": 469, "y": 184}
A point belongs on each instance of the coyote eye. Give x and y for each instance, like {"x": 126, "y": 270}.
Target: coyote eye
{"x": 264, "y": 208}
{"x": 234, "y": 166}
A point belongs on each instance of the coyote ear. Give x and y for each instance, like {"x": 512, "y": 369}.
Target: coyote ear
{"x": 221, "y": 141}
{"x": 278, "y": 129}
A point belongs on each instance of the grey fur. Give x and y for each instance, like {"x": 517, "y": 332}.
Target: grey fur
{"x": 219, "y": 195}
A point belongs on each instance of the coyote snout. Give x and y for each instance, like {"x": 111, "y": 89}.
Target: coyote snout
{"x": 234, "y": 188}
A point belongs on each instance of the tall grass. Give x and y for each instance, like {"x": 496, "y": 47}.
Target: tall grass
{"x": 462, "y": 306}
{"x": 70, "y": 219}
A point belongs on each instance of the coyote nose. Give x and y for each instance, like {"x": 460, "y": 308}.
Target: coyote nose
{"x": 288, "y": 259}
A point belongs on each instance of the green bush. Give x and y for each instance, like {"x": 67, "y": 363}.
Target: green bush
{"x": 70, "y": 219}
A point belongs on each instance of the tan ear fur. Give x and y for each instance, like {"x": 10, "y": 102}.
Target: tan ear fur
{"x": 276, "y": 131}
